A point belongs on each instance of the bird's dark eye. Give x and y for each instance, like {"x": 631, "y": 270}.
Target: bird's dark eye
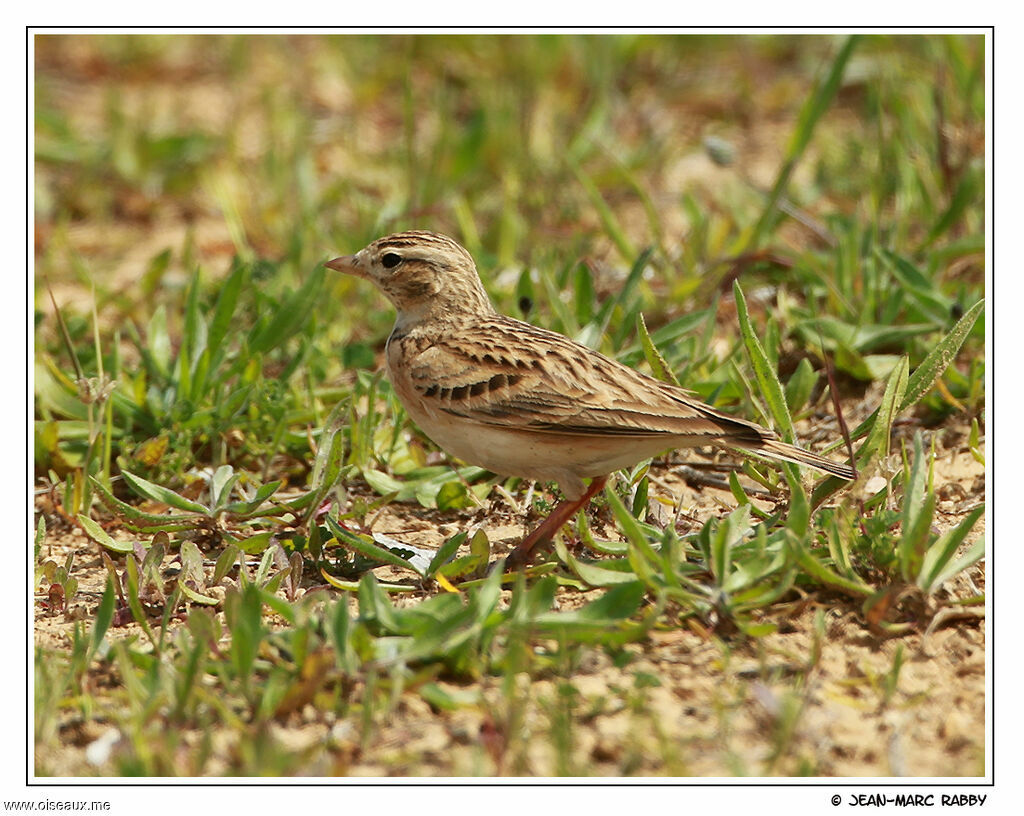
{"x": 390, "y": 260}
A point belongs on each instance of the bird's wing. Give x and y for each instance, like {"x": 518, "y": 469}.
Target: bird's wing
{"x": 506, "y": 373}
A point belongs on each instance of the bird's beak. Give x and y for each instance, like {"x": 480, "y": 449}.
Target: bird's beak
{"x": 347, "y": 264}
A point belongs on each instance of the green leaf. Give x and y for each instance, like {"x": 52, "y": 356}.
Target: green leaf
{"x": 164, "y": 495}
{"x": 365, "y": 546}
{"x": 615, "y": 605}
{"x": 729, "y": 533}
{"x": 630, "y": 527}
{"x": 822, "y": 574}
{"x": 151, "y": 564}
{"x": 191, "y": 564}
{"x": 255, "y": 543}
{"x": 224, "y": 310}
{"x": 247, "y": 631}
{"x": 767, "y": 379}
{"x": 936, "y": 567}
{"x": 338, "y": 630}
{"x": 800, "y": 385}
{"x": 798, "y": 520}
{"x": 445, "y": 552}
{"x": 221, "y": 484}
{"x": 353, "y": 586}
{"x": 667, "y": 336}
{"x": 137, "y": 519}
{"x": 196, "y": 597}
{"x": 654, "y": 359}
{"x": 263, "y": 570}
{"x": 245, "y": 508}
{"x": 158, "y": 342}
{"x": 611, "y": 224}
{"x": 383, "y": 484}
{"x": 155, "y": 270}
{"x": 132, "y": 596}
{"x": 329, "y": 458}
{"x": 291, "y": 315}
{"x": 104, "y": 615}
{"x": 600, "y": 574}
{"x": 100, "y": 536}
{"x": 860, "y": 338}
{"x": 924, "y": 376}
{"x": 974, "y": 554}
{"x": 940, "y": 357}
{"x": 193, "y": 340}
{"x": 965, "y": 196}
{"x": 479, "y": 545}
{"x": 225, "y": 561}
{"x": 814, "y": 108}
{"x": 881, "y": 431}
{"x": 463, "y": 565}
{"x": 928, "y": 298}
{"x": 374, "y": 605}
{"x": 918, "y": 511}
{"x": 452, "y": 495}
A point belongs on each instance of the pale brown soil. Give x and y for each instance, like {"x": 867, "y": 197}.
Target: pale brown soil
{"x": 687, "y": 703}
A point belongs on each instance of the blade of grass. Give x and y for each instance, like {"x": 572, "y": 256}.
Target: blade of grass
{"x": 368, "y": 548}
{"x": 657, "y": 363}
{"x": 767, "y": 379}
{"x": 99, "y": 535}
{"x": 161, "y": 494}
{"x": 936, "y": 566}
{"x": 608, "y": 219}
{"x": 930, "y": 369}
{"x": 814, "y": 108}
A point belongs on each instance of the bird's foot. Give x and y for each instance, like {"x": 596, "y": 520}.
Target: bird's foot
{"x": 542, "y": 534}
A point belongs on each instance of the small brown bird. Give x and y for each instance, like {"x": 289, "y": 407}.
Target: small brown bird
{"x": 523, "y": 401}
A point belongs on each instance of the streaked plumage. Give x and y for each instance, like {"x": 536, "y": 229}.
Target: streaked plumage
{"x": 523, "y": 401}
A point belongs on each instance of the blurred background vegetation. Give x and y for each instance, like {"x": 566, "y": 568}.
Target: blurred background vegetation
{"x": 160, "y": 156}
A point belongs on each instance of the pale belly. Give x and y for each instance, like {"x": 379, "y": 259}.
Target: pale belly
{"x": 566, "y": 459}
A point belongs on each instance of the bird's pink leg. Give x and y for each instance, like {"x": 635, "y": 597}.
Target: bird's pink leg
{"x": 546, "y": 530}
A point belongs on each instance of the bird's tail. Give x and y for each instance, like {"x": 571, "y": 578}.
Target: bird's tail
{"x": 775, "y": 449}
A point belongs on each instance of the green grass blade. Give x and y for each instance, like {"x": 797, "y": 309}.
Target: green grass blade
{"x": 967, "y": 194}
{"x": 364, "y": 546}
{"x": 630, "y": 527}
{"x": 291, "y": 315}
{"x": 608, "y": 218}
{"x": 136, "y": 518}
{"x": 657, "y": 363}
{"x": 100, "y": 536}
{"x": 224, "y": 309}
{"x": 767, "y": 379}
{"x": 595, "y": 575}
{"x": 132, "y": 596}
{"x": 880, "y": 434}
{"x": 104, "y": 615}
{"x": 445, "y": 552}
{"x": 812, "y": 111}
{"x": 242, "y": 509}
{"x": 929, "y": 371}
{"x": 625, "y": 299}
{"x": 939, "y": 359}
{"x": 161, "y": 494}
{"x": 974, "y": 554}
{"x": 936, "y": 566}
{"x": 918, "y": 510}
{"x": 193, "y": 341}
{"x": 821, "y": 573}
